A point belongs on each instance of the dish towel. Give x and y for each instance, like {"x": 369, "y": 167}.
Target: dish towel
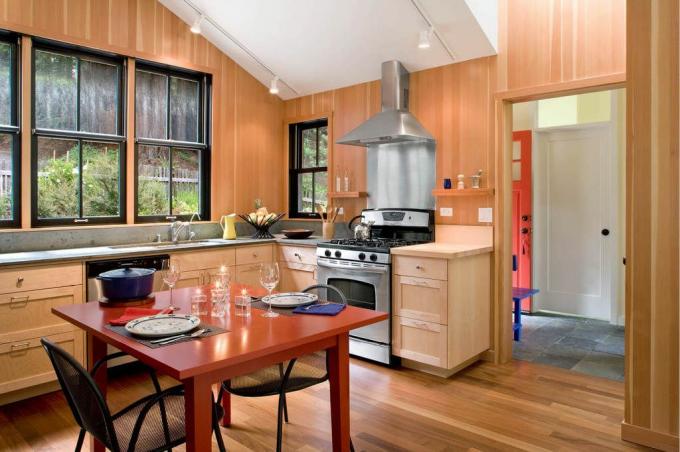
{"x": 320, "y": 309}
{"x": 135, "y": 313}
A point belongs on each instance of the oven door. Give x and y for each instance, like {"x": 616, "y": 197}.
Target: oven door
{"x": 365, "y": 286}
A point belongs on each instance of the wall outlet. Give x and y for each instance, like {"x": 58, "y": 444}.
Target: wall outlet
{"x": 341, "y": 211}
{"x": 485, "y": 215}
{"x": 446, "y": 211}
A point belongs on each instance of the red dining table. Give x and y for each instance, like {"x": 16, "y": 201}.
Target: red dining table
{"x": 251, "y": 343}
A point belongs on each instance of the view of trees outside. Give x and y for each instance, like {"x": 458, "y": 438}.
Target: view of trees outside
{"x": 313, "y": 186}
{"x": 59, "y": 181}
{"x": 5, "y": 140}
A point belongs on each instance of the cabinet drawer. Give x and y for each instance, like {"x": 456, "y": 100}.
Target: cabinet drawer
{"x": 420, "y": 299}
{"x": 422, "y": 267}
{"x": 254, "y": 254}
{"x": 297, "y": 254}
{"x": 195, "y": 278}
{"x": 200, "y": 260}
{"x": 19, "y": 279}
{"x": 296, "y": 277}
{"x": 29, "y": 313}
{"x": 424, "y": 342}
{"x": 25, "y": 363}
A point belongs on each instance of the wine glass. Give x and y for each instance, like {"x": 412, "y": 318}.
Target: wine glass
{"x": 170, "y": 271}
{"x": 269, "y": 278}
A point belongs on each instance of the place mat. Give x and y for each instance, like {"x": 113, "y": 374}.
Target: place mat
{"x": 212, "y": 331}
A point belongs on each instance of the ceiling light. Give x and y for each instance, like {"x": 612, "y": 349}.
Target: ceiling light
{"x": 196, "y": 27}
{"x": 274, "y": 85}
{"x": 424, "y": 39}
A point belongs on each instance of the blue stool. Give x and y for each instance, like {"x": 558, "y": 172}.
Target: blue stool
{"x": 518, "y": 294}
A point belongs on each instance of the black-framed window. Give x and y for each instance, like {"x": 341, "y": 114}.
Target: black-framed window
{"x": 172, "y": 144}
{"x": 10, "y": 142}
{"x": 78, "y": 137}
{"x": 308, "y": 172}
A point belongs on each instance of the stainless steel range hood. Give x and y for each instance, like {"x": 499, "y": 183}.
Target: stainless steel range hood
{"x": 394, "y": 124}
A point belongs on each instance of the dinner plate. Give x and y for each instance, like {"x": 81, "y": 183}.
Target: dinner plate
{"x": 162, "y": 325}
{"x": 290, "y": 299}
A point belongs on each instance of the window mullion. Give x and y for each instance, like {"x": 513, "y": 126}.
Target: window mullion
{"x": 78, "y": 94}
{"x": 80, "y": 177}
{"x": 170, "y": 182}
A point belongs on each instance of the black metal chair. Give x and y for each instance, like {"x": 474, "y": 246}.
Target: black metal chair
{"x": 153, "y": 423}
{"x": 294, "y": 375}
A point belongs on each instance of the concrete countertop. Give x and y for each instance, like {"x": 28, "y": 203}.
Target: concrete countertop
{"x": 109, "y": 252}
{"x": 439, "y": 250}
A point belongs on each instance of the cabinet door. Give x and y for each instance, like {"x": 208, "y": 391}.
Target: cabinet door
{"x": 420, "y": 298}
{"x": 423, "y": 342}
{"x": 248, "y": 275}
{"x": 203, "y": 259}
{"x": 295, "y": 278}
{"x": 194, "y": 278}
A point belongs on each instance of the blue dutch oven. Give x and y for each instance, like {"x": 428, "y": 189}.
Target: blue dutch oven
{"x": 127, "y": 283}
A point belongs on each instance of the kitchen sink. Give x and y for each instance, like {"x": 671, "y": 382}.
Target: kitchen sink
{"x": 160, "y": 244}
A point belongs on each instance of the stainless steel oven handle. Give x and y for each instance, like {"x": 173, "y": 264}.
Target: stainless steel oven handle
{"x": 376, "y": 269}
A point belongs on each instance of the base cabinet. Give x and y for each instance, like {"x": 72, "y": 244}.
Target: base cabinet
{"x": 297, "y": 266}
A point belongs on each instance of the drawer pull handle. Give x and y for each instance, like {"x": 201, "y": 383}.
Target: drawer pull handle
{"x": 418, "y": 267}
{"x": 298, "y": 256}
{"x": 21, "y": 346}
{"x": 21, "y": 301}
{"x": 20, "y": 281}
{"x": 254, "y": 254}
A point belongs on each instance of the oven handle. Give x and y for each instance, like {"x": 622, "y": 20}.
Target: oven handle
{"x": 381, "y": 269}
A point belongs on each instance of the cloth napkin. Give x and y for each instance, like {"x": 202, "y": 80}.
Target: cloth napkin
{"x": 320, "y": 309}
{"x": 135, "y": 313}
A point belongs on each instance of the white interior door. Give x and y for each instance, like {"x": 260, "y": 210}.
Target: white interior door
{"x": 573, "y": 206}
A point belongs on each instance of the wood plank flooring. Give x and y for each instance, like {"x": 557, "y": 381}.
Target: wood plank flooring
{"x": 518, "y": 406}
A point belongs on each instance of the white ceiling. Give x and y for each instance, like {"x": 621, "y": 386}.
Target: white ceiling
{"x": 317, "y": 45}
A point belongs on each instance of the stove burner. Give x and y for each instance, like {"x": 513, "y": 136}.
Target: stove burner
{"x": 374, "y": 243}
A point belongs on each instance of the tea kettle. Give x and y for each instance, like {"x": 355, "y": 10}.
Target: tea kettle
{"x": 362, "y": 231}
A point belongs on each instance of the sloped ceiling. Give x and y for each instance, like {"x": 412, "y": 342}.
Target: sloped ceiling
{"x": 317, "y": 45}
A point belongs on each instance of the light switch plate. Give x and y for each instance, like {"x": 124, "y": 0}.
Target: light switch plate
{"x": 485, "y": 215}
{"x": 446, "y": 211}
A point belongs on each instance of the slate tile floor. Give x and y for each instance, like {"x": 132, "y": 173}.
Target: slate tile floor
{"x": 589, "y": 346}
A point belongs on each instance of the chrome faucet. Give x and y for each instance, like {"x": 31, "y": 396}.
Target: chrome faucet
{"x": 176, "y": 228}
{"x": 192, "y": 234}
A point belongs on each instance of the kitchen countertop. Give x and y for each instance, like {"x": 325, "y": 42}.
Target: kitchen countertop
{"x": 439, "y": 250}
{"x": 109, "y": 252}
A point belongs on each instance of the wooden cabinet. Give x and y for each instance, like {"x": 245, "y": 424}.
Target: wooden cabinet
{"x": 441, "y": 309}
{"x": 297, "y": 254}
{"x": 248, "y": 274}
{"x": 254, "y": 254}
{"x": 20, "y": 279}
{"x": 202, "y": 260}
{"x": 297, "y": 265}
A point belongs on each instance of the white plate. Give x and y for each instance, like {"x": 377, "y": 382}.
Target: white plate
{"x": 290, "y": 299}
{"x": 162, "y": 325}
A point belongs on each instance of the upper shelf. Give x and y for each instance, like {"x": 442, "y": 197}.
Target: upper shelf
{"x": 348, "y": 194}
{"x": 464, "y": 192}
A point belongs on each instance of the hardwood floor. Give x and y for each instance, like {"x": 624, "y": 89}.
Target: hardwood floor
{"x": 518, "y": 406}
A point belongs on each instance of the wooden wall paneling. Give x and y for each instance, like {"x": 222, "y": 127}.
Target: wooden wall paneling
{"x": 652, "y": 242}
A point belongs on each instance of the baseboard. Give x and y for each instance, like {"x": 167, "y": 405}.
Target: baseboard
{"x": 27, "y": 393}
{"x": 438, "y": 371}
{"x": 649, "y": 438}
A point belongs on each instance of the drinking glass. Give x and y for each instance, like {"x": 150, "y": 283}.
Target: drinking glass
{"x": 269, "y": 278}
{"x": 170, "y": 272}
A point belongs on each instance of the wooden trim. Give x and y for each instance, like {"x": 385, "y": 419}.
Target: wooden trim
{"x": 26, "y": 62}
{"x": 650, "y": 438}
{"x": 611, "y": 81}
{"x": 130, "y": 148}
{"x": 465, "y": 192}
{"x": 347, "y": 194}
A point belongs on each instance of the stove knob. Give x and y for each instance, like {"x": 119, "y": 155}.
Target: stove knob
{"x": 362, "y": 256}
{"x": 327, "y": 253}
{"x": 374, "y": 257}
{"x": 338, "y": 254}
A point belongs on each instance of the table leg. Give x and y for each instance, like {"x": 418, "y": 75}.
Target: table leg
{"x": 198, "y": 412}
{"x": 226, "y": 406}
{"x": 96, "y": 350}
{"x": 338, "y": 374}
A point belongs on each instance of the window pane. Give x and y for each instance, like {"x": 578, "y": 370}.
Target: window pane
{"x": 58, "y": 179}
{"x": 305, "y": 193}
{"x": 101, "y": 171}
{"x": 309, "y": 148}
{"x": 185, "y": 187}
{"x": 321, "y": 189}
{"x": 516, "y": 171}
{"x": 55, "y": 91}
{"x": 153, "y": 197}
{"x": 323, "y": 146}
{"x": 184, "y": 101}
{"x": 5, "y": 84}
{"x": 6, "y": 199}
{"x": 98, "y": 97}
{"x": 151, "y": 103}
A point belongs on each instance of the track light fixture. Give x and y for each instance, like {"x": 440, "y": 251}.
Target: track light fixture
{"x": 424, "y": 39}
{"x": 196, "y": 27}
{"x": 274, "y": 85}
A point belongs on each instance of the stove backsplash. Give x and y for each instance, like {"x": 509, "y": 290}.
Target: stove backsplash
{"x": 401, "y": 175}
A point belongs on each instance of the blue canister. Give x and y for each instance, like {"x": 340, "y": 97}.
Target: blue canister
{"x": 447, "y": 184}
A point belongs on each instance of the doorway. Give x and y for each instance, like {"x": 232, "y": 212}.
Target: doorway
{"x": 568, "y": 211}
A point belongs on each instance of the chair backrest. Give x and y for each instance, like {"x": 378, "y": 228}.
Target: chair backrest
{"x": 83, "y": 395}
{"x": 327, "y": 293}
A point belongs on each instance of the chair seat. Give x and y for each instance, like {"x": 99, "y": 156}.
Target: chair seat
{"x": 151, "y": 435}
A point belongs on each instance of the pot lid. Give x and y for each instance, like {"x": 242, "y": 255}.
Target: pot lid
{"x": 127, "y": 272}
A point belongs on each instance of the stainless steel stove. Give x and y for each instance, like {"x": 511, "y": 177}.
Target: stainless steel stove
{"x": 361, "y": 269}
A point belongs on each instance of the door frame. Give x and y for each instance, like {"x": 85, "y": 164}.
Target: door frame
{"x": 502, "y": 267}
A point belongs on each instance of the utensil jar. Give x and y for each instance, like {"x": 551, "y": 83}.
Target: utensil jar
{"x": 328, "y": 230}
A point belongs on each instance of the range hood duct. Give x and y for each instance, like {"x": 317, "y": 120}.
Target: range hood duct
{"x": 394, "y": 124}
